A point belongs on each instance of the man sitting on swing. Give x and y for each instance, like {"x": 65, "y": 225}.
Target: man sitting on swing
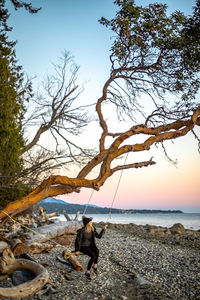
{"x": 85, "y": 243}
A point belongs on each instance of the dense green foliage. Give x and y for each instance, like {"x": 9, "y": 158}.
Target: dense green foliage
{"x": 12, "y": 97}
{"x": 4, "y": 14}
{"x": 11, "y": 112}
{"x": 157, "y": 55}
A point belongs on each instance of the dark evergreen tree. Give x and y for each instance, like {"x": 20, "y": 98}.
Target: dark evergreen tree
{"x": 12, "y": 97}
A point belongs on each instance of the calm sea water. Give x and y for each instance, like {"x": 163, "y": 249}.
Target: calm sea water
{"x": 189, "y": 220}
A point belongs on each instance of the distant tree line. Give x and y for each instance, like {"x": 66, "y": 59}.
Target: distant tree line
{"x": 73, "y": 208}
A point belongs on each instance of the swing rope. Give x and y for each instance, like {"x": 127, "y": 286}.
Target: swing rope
{"x": 88, "y": 202}
{"x": 115, "y": 194}
{"x": 116, "y": 190}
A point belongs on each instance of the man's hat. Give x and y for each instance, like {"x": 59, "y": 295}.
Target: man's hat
{"x": 86, "y": 220}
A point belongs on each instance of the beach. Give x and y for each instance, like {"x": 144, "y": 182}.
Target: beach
{"x": 189, "y": 220}
{"x": 131, "y": 267}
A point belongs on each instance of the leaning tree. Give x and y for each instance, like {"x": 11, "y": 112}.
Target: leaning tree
{"x": 153, "y": 81}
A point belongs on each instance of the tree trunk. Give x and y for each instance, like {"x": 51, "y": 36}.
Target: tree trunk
{"x": 48, "y": 232}
{"x": 8, "y": 265}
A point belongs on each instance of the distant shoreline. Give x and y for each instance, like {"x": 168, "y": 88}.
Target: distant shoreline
{"x": 59, "y": 205}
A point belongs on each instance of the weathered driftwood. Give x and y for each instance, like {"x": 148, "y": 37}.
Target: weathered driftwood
{"x": 65, "y": 240}
{"x": 39, "y": 248}
{"x": 66, "y": 215}
{"x": 3, "y": 246}
{"x": 48, "y": 232}
{"x": 62, "y": 260}
{"x": 18, "y": 247}
{"x": 73, "y": 261}
{"x": 8, "y": 265}
{"x": 77, "y": 215}
{"x": 43, "y": 214}
{"x": 53, "y": 214}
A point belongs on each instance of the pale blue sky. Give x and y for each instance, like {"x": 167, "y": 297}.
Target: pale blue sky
{"x": 70, "y": 25}
{"x": 73, "y": 25}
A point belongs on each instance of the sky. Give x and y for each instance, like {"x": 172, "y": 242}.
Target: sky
{"x": 73, "y": 26}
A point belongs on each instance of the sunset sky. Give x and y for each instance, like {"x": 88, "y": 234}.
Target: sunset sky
{"x": 73, "y": 25}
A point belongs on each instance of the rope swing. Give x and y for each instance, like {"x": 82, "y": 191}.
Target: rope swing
{"x": 116, "y": 190}
{"x": 115, "y": 194}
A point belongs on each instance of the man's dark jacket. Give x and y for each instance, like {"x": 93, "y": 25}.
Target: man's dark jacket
{"x": 81, "y": 235}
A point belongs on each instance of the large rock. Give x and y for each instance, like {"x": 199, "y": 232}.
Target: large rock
{"x": 177, "y": 228}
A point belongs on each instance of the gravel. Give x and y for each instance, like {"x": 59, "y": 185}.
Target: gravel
{"x": 130, "y": 268}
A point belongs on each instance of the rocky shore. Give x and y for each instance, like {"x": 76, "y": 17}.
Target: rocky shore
{"x": 136, "y": 263}
{"x": 176, "y": 235}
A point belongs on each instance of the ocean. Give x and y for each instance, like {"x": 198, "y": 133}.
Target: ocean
{"x": 189, "y": 220}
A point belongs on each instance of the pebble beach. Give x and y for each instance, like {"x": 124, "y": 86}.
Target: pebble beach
{"x": 130, "y": 267}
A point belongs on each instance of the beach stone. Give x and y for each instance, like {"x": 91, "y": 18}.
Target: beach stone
{"x": 164, "y": 269}
{"x": 22, "y": 276}
{"x": 177, "y": 228}
{"x": 167, "y": 231}
{"x": 141, "y": 281}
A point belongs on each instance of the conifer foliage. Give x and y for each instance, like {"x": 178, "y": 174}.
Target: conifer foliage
{"x": 12, "y": 97}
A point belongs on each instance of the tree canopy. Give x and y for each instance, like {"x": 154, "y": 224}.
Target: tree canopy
{"x": 4, "y": 13}
{"x": 13, "y": 94}
{"x": 156, "y": 55}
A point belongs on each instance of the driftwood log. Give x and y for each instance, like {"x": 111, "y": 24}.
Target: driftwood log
{"x": 3, "y": 246}
{"x": 73, "y": 260}
{"x": 48, "y": 232}
{"x": 77, "y": 215}
{"x": 66, "y": 215}
{"x": 53, "y": 214}
{"x": 18, "y": 247}
{"x": 8, "y": 265}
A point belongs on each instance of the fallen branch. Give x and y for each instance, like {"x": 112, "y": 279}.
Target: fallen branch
{"x": 73, "y": 261}
{"x": 66, "y": 215}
